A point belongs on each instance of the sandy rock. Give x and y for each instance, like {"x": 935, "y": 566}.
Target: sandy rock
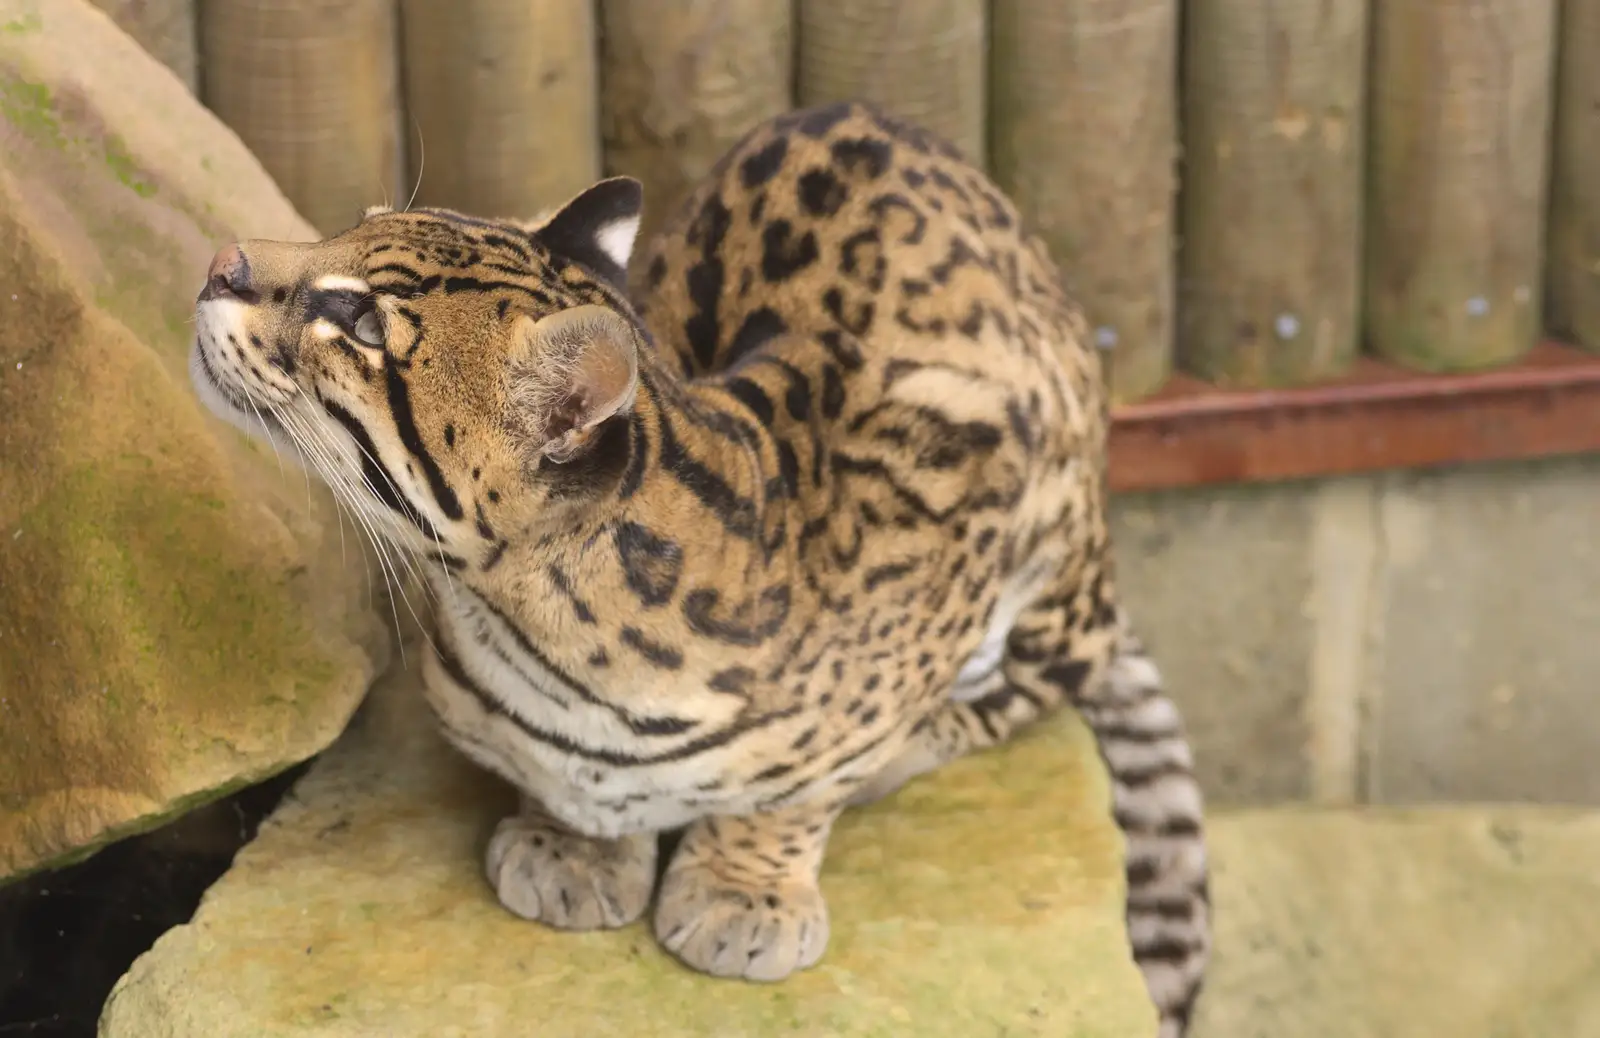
{"x": 983, "y": 900}
{"x": 1466, "y": 922}
{"x": 177, "y": 616}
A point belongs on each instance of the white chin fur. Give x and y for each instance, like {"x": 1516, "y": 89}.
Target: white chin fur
{"x": 209, "y": 371}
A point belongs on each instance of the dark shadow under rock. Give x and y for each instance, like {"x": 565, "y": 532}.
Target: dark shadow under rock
{"x": 66, "y": 936}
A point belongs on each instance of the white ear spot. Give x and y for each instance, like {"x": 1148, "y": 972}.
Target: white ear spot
{"x": 375, "y": 210}
{"x": 615, "y": 239}
{"x": 340, "y": 283}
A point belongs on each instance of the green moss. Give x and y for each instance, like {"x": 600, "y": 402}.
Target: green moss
{"x": 193, "y": 641}
{"x": 28, "y": 23}
{"x": 149, "y": 286}
{"x": 124, "y": 169}
{"x": 28, "y": 107}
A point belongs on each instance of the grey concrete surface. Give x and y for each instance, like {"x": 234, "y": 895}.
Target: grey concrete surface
{"x": 1398, "y": 637}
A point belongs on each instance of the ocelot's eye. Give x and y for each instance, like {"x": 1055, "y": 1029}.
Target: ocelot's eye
{"x": 369, "y": 328}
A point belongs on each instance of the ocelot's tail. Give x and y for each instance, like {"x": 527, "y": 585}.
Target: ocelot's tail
{"x": 1157, "y": 804}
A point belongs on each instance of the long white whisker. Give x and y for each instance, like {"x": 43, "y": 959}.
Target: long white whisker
{"x": 266, "y": 431}
{"x": 339, "y": 510}
{"x": 422, "y": 163}
{"x": 411, "y": 565}
{"x": 336, "y": 469}
{"x": 410, "y": 562}
{"x": 317, "y": 452}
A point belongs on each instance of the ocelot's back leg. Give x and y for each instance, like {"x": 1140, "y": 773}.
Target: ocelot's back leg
{"x": 1073, "y": 645}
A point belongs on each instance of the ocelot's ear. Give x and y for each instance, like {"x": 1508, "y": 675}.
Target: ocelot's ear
{"x": 597, "y": 228}
{"x": 568, "y": 373}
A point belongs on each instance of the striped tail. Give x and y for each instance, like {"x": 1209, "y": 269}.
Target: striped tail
{"x": 1155, "y": 799}
{"x": 1157, "y": 804}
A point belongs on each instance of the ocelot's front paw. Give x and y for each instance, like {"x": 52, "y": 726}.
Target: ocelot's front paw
{"x": 741, "y": 929}
{"x": 568, "y": 881}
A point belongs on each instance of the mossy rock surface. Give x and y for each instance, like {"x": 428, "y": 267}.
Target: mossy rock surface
{"x": 178, "y": 616}
{"x": 983, "y": 900}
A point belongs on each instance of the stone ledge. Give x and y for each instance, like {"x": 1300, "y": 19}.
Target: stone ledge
{"x": 1466, "y": 922}
{"x": 984, "y": 900}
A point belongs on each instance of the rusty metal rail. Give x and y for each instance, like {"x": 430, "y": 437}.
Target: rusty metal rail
{"x": 1378, "y": 417}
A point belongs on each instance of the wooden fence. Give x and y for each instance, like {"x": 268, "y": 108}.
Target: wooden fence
{"x": 1251, "y": 192}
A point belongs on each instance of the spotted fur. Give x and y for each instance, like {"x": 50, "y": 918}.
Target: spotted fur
{"x": 819, "y": 510}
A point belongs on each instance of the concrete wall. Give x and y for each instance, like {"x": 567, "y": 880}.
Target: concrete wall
{"x": 1397, "y": 637}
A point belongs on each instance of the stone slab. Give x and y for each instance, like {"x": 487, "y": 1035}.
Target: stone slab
{"x": 1466, "y": 922}
{"x": 1487, "y": 660}
{"x": 984, "y": 900}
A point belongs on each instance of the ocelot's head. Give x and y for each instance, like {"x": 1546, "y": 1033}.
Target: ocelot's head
{"x": 449, "y": 377}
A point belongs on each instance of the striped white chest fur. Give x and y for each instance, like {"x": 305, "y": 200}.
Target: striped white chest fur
{"x": 574, "y": 770}
{"x": 587, "y": 768}
{"x": 815, "y": 506}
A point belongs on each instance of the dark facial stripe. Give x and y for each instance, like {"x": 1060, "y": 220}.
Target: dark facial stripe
{"x": 456, "y": 285}
{"x": 406, "y": 425}
{"x": 376, "y": 474}
{"x": 339, "y": 305}
{"x": 404, "y": 270}
{"x": 450, "y": 216}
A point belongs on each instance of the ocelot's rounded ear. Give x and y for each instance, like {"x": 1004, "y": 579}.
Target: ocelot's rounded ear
{"x": 568, "y": 373}
{"x": 597, "y": 228}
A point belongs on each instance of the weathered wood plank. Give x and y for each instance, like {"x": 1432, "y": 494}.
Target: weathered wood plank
{"x": 1574, "y": 232}
{"x": 1270, "y": 266}
{"x": 312, "y": 89}
{"x": 1461, "y": 114}
{"x": 923, "y": 61}
{"x": 1084, "y": 138}
{"x": 682, "y": 82}
{"x": 504, "y": 97}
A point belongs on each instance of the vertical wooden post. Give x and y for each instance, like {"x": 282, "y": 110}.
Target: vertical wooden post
{"x": 682, "y": 82}
{"x": 165, "y": 28}
{"x": 504, "y": 95}
{"x": 1574, "y": 236}
{"x": 1461, "y": 105}
{"x": 312, "y": 89}
{"x": 1083, "y": 136}
{"x": 1273, "y": 125}
{"x": 923, "y": 60}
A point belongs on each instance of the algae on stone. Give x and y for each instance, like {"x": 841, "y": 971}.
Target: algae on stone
{"x": 983, "y": 900}
{"x": 176, "y": 616}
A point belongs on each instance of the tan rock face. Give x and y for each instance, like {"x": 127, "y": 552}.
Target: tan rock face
{"x": 176, "y": 614}
{"x": 983, "y": 900}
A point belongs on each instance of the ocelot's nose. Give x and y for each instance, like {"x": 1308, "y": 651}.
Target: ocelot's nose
{"x": 228, "y": 277}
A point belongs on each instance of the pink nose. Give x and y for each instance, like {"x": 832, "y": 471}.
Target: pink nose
{"x": 228, "y": 277}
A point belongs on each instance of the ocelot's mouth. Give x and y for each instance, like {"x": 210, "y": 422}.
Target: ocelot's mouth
{"x": 222, "y": 394}
{"x": 223, "y": 386}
